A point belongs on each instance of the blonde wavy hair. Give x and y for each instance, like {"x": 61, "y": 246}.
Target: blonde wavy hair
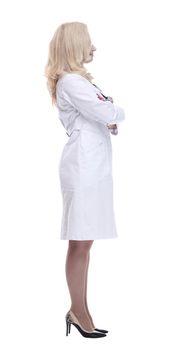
{"x": 69, "y": 48}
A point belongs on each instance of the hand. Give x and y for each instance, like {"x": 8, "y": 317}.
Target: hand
{"x": 113, "y": 129}
{"x": 112, "y": 126}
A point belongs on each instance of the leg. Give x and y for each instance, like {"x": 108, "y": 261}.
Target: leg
{"x": 76, "y": 269}
{"x": 86, "y": 305}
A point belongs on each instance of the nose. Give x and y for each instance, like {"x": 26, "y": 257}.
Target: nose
{"x": 93, "y": 48}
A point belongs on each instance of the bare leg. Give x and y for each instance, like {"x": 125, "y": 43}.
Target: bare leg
{"x": 86, "y": 305}
{"x": 76, "y": 270}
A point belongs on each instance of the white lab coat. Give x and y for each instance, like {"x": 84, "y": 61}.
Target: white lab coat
{"x": 85, "y": 167}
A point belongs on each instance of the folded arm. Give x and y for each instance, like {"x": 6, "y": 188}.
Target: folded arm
{"x": 85, "y": 100}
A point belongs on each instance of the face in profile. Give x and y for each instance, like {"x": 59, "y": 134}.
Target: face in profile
{"x": 91, "y": 54}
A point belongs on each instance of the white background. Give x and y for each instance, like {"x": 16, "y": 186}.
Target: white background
{"x": 142, "y": 284}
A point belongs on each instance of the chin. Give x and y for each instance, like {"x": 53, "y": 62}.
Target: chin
{"x": 89, "y": 59}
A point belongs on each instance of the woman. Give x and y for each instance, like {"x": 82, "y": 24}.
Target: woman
{"x": 85, "y": 167}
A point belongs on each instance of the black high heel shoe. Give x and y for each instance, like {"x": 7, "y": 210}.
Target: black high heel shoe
{"x": 71, "y": 319}
{"x": 100, "y": 330}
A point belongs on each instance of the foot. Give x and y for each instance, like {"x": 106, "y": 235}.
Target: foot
{"x": 83, "y": 320}
{"x": 91, "y": 320}
{"x": 93, "y": 326}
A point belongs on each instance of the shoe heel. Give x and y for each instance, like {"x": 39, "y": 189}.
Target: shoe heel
{"x": 68, "y": 328}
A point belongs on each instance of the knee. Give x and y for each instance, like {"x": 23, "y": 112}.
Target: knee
{"x": 80, "y": 247}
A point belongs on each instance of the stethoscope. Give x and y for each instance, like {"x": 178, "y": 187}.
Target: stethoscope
{"x": 108, "y": 98}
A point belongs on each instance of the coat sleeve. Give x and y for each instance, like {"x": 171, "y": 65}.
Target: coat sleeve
{"x": 84, "y": 98}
